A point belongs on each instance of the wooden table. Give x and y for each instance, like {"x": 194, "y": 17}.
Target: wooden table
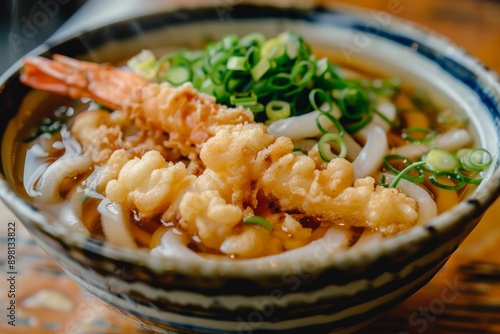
{"x": 49, "y": 302}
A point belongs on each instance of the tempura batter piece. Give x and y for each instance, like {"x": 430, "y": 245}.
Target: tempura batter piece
{"x": 150, "y": 185}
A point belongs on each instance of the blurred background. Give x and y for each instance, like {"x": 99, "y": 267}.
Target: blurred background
{"x": 24, "y": 24}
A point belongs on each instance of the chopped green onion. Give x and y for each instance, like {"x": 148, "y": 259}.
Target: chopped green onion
{"x": 279, "y": 81}
{"x": 405, "y": 160}
{"x": 333, "y": 75}
{"x": 218, "y": 73}
{"x": 441, "y": 160}
{"x": 277, "y": 110}
{"x": 168, "y": 61}
{"x": 303, "y": 72}
{"x": 258, "y": 220}
{"x": 385, "y": 118}
{"x": 404, "y": 172}
{"x": 260, "y": 69}
{"x": 280, "y": 68}
{"x": 243, "y": 98}
{"x": 383, "y": 181}
{"x": 144, "y": 64}
{"x": 293, "y": 44}
{"x": 229, "y": 41}
{"x": 324, "y": 147}
{"x": 321, "y": 66}
{"x": 198, "y": 77}
{"x": 254, "y": 38}
{"x": 456, "y": 178}
{"x": 177, "y": 75}
{"x": 355, "y": 127}
{"x": 207, "y": 87}
{"x": 475, "y": 160}
{"x": 236, "y": 63}
{"x": 255, "y": 108}
{"x": 466, "y": 176}
{"x": 272, "y": 48}
{"x": 324, "y": 99}
{"x": 353, "y": 103}
{"x": 409, "y": 134}
{"x": 335, "y": 121}
{"x": 233, "y": 82}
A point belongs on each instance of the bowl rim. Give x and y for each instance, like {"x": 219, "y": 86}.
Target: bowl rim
{"x": 471, "y": 208}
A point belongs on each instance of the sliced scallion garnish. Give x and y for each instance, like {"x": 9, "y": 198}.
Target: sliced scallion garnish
{"x": 258, "y": 220}
{"x": 407, "y": 161}
{"x": 325, "y": 150}
{"x": 280, "y": 68}
{"x": 418, "y": 135}
{"x": 354, "y": 127}
{"x": 177, "y": 75}
{"x": 302, "y": 72}
{"x": 441, "y": 160}
{"x": 404, "y": 172}
{"x": 318, "y": 94}
{"x": 243, "y": 98}
{"x": 385, "y": 118}
{"x": 353, "y": 103}
{"x": 475, "y": 160}
{"x": 144, "y": 64}
{"x": 237, "y": 63}
{"x": 277, "y": 110}
{"x": 468, "y": 177}
{"x": 260, "y": 69}
{"x": 455, "y": 177}
{"x": 335, "y": 121}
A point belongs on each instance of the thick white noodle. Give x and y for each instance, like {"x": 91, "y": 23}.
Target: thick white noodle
{"x": 298, "y": 127}
{"x": 368, "y": 237}
{"x": 72, "y": 214}
{"x": 47, "y": 187}
{"x": 304, "y": 126}
{"x": 69, "y": 214}
{"x": 45, "y": 181}
{"x": 116, "y": 224}
{"x": 353, "y": 148}
{"x": 451, "y": 140}
{"x": 35, "y": 164}
{"x": 173, "y": 245}
{"x": 370, "y": 158}
{"x": 427, "y": 208}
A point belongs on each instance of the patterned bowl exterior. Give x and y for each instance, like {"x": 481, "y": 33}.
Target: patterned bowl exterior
{"x": 319, "y": 291}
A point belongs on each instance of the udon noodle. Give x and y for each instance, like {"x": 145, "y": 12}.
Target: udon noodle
{"x": 180, "y": 166}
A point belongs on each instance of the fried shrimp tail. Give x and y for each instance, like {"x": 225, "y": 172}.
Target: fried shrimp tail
{"x": 189, "y": 118}
{"x": 70, "y": 77}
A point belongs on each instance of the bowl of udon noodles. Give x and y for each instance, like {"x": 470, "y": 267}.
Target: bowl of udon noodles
{"x": 274, "y": 170}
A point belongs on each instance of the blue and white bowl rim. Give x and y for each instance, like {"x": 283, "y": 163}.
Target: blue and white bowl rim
{"x": 459, "y": 64}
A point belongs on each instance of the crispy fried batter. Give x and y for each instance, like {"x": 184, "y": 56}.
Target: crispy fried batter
{"x": 150, "y": 185}
{"x": 330, "y": 194}
{"x": 189, "y": 117}
{"x": 241, "y": 162}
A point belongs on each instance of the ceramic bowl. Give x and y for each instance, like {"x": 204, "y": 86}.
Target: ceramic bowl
{"x": 316, "y": 290}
